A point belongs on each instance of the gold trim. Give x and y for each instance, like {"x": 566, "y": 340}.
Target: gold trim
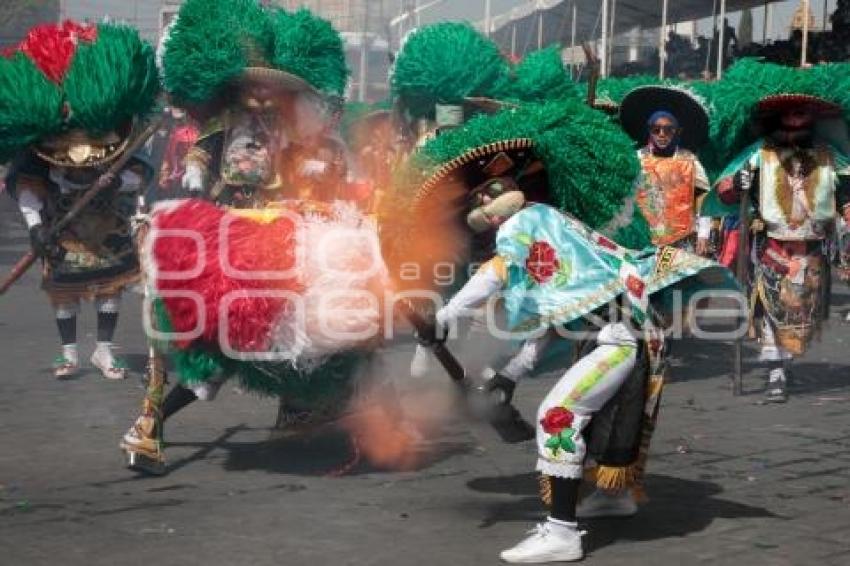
{"x": 281, "y": 79}
{"x": 430, "y": 184}
{"x": 84, "y": 139}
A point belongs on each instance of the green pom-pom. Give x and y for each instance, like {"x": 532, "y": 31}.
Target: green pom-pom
{"x": 445, "y": 63}
{"x": 211, "y": 44}
{"x": 111, "y": 80}
{"x": 30, "y": 105}
{"x": 309, "y": 47}
{"x": 539, "y": 77}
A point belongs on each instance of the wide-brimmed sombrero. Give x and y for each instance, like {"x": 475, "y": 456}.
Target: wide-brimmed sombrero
{"x": 78, "y": 148}
{"x": 561, "y": 153}
{"x": 777, "y": 103}
{"x": 639, "y": 105}
{"x": 447, "y": 191}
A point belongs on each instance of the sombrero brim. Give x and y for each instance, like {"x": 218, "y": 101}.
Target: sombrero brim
{"x": 639, "y": 105}
{"x": 60, "y": 155}
{"x": 446, "y": 191}
{"x": 279, "y": 79}
{"x": 779, "y": 102}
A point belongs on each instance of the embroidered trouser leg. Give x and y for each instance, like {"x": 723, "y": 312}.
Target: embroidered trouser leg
{"x": 570, "y": 405}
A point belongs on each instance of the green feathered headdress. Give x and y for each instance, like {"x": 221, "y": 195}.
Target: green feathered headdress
{"x": 612, "y": 90}
{"x": 89, "y": 80}
{"x": 538, "y": 77}
{"x": 590, "y": 164}
{"x": 737, "y": 96}
{"x": 446, "y": 63}
{"x": 216, "y": 42}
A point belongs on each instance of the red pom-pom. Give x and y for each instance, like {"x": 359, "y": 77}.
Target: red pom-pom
{"x": 52, "y": 46}
{"x": 251, "y": 246}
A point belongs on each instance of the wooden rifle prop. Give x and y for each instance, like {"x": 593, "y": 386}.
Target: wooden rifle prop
{"x": 102, "y": 183}
{"x": 504, "y": 418}
{"x": 592, "y": 81}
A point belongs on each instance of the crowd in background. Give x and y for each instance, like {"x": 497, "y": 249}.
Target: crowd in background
{"x": 685, "y": 60}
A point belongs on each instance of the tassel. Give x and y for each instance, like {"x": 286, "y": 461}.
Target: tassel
{"x": 545, "y": 485}
{"x": 613, "y": 478}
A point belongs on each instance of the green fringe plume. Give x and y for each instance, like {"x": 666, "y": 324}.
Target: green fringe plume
{"x": 211, "y": 44}
{"x": 30, "y": 105}
{"x": 614, "y": 89}
{"x": 443, "y": 64}
{"x": 214, "y": 40}
{"x": 539, "y": 77}
{"x": 748, "y": 81}
{"x": 309, "y": 47}
{"x": 111, "y": 80}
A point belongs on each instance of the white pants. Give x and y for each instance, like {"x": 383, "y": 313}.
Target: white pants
{"x": 770, "y": 350}
{"x": 579, "y": 394}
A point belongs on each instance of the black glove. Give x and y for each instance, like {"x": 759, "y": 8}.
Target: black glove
{"x": 40, "y": 240}
{"x": 429, "y": 334}
{"x": 499, "y": 389}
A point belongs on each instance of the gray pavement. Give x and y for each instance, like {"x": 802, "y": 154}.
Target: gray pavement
{"x": 730, "y": 481}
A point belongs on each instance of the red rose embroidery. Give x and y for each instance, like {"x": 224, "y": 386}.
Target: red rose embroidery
{"x": 556, "y": 420}
{"x": 542, "y": 262}
{"x": 635, "y": 286}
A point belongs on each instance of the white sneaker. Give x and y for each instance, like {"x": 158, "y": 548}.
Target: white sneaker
{"x": 777, "y": 386}
{"x": 547, "y": 543}
{"x": 603, "y": 503}
{"x": 109, "y": 366}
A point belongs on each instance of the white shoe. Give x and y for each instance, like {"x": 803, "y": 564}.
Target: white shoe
{"x": 64, "y": 367}
{"x": 777, "y": 386}
{"x": 603, "y": 503}
{"x": 547, "y": 543}
{"x": 109, "y": 366}
{"x": 420, "y": 365}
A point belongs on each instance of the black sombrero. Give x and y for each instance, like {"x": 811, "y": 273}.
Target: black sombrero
{"x": 641, "y": 103}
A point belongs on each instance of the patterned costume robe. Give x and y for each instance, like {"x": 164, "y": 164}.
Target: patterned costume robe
{"x": 551, "y": 271}
{"x": 669, "y": 194}
{"x": 797, "y": 194}
{"x": 96, "y": 254}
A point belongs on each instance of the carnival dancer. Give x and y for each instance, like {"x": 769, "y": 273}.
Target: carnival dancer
{"x": 798, "y": 183}
{"x": 282, "y": 260}
{"x": 552, "y": 270}
{"x": 267, "y": 110}
{"x": 673, "y": 124}
{"x": 181, "y": 136}
{"x": 71, "y": 97}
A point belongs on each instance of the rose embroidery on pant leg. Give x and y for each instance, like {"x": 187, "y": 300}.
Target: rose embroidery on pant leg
{"x": 557, "y": 422}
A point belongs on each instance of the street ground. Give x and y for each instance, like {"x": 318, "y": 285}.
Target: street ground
{"x": 731, "y": 481}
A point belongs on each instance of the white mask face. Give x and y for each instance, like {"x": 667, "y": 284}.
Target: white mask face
{"x": 493, "y": 214}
